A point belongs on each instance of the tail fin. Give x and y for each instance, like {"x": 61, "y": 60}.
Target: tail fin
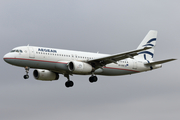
{"x": 148, "y": 41}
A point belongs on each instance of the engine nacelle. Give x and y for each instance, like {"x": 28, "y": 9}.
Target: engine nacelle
{"x": 45, "y": 75}
{"x": 79, "y": 67}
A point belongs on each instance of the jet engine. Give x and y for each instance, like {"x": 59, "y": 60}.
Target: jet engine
{"x": 79, "y": 67}
{"x": 45, "y": 75}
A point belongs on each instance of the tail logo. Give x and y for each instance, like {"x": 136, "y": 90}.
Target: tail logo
{"x": 147, "y": 52}
{"x": 151, "y": 40}
{"x": 148, "y": 44}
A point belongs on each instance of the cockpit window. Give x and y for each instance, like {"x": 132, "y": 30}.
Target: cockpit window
{"x": 13, "y": 50}
{"x": 17, "y": 51}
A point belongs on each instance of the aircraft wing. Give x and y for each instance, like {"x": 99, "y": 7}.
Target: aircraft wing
{"x": 99, "y": 62}
{"x": 159, "y": 62}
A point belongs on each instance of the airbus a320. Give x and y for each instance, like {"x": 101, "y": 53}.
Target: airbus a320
{"x": 50, "y": 62}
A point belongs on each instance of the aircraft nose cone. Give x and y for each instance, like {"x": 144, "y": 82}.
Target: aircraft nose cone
{"x": 5, "y": 58}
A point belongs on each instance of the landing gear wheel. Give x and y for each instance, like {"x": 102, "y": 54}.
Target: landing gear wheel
{"x": 27, "y": 71}
{"x": 69, "y": 83}
{"x": 26, "y": 76}
{"x": 93, "y": 79}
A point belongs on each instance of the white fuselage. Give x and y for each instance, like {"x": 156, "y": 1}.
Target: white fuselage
{"x": 56, "y": 60}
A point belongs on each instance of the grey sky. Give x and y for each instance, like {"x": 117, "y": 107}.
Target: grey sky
{"x": 107, "y": 26}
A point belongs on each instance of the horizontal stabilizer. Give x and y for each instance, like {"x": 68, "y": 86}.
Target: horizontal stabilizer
{"x": 159, "y": 62}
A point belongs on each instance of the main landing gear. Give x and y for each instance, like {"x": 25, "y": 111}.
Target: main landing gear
{"x": 93, "y": 79}
{"x": 27, "y": 71}
{"x": 69, "y": 83}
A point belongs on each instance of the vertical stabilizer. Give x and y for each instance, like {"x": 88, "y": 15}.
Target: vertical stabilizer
{"x": 148, "y": 41}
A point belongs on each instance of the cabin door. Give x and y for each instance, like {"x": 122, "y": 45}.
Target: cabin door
{"x": 31, "y": 52}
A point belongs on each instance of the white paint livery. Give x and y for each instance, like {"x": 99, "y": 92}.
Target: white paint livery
{"x": 49, "y": 62}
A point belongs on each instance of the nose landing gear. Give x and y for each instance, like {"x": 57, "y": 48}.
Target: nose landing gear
{"x": 27, "y": 71}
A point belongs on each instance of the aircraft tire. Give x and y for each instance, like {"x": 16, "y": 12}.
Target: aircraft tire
{"x": 93, "y": 79}
{"x": 26, "y": 76}
{"x": 69, "y": 84}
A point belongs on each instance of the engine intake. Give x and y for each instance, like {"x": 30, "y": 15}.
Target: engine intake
{"x": 79, "y": 67}
{"x": 45, "y": 75}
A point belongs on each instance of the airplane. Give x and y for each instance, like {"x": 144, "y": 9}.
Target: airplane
{"x": 50, "y": 62}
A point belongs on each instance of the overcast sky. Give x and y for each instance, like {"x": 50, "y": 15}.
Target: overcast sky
{"x": 107, "y": 26}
